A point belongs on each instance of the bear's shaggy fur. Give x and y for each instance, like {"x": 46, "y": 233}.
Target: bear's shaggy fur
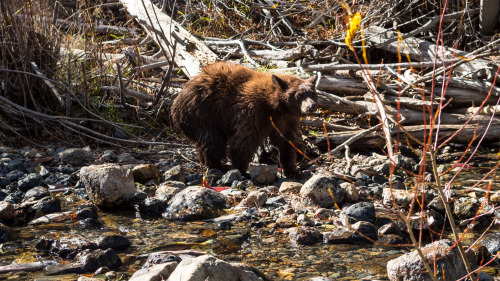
{"x": 228, "y": 104}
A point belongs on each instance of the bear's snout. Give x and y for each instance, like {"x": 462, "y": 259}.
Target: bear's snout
{"x": 308, "y": 106}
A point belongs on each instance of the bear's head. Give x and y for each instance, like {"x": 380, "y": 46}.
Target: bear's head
{"x": 297, "y": 95}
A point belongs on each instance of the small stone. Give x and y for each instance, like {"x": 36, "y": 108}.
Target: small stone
{"x": 324, "y": 214}
{"x": 4, "y": 181}
{"x": 196, "y": 202}
{"x": 165, "y": 192}
{"x": 37, "y": 193}
{"x": 152, "y": 206}
{"x": 345, "y": 235}
{"x": 47, "y": 205}
{"x": 86, "y": 213}
{"x": 290, "y": 187}
{"x": 115, "y": 242}
{"x": 145, "y": 172}
{"x": 175, "y": 173}
{"x": 304, "y": 235}
{"x": 6, "y": 233}
{"x": 155, "y": 272}
{"x": 6, "y": 210}
{"x": 276, "y": 201}
{"x": 351, "y": 192}
{"x": 317, "y": 190}
{"x": 231, "y": 176}
{"x": 263, "y": 174}
{"x": 465, "y": 207}
{"x": 74, "y": 156}
{"x": 495, "y": 197}
{"x": 256, "y": 199}
{"x": 93, "y": 259}
{"x": 402, "y": 198}
{"x": 362, "y": 211}
{"x": 287, "y": 221}
{"x": 304, "y": 220}
{"x": 29, "y": 181}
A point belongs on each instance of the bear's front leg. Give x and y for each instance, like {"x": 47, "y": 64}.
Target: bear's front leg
{"x": 287, "y": 154}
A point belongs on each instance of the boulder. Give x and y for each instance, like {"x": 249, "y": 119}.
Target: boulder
{"x": 317, "y": 190}
{"x": 196, "y": 202}
{"x": 263, "y": 174}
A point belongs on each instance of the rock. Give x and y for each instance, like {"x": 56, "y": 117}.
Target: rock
{"x": 231, "y": 176}
{"x": 196, "y": 202}
{"x": 65, "y": 268}
{"x": 152, "y": 206}
{"x": 90, "y": 223}
{"x": 255, "y": 199}
{"x": 14, "y": 197}
{"x": 495, "y": 197}
{"x": 321, "y": 278}
{"x": 47, "y": 205}
{"x": 210, "y": 268}
{"x": 108, "y": 185}
{"x": 263, "y": 174}
{"x": 402, "y": 198}
{"x": 345, "y": 235}
{"x": 175, "y": 173}
{"x": 74, "y": 156}
{"x": 465, "y": 207}
{"x": 317, "y": 189}
{"x": 304, "y": 220}
{"x": 324, "y": 214}
{"x": 108, "y": 156}
{"x": 351, "y": 192}
{"x": 290, "y": 187}
{"x": 156, "y": 272}
{"x": 390, "y": 239}
{"x": 6, "y": 233}
{"x": 66, "y": 246}
{"x": 29, "y": 181}
{"x": 93, "y": 259}
{"x": 6, "y": 210}
{"x": 287, "y": 221}
{"x": 158, "y": 258}
{"x": 145, "y": 172}
{"x": 276, "y": 201}
{"x": 115, "y": 242}
{"x": 437, "y": 204}
{"x": 37, "y": 193}
{"x": 61, "y": 179}
{"x": 304, "y": 235}
{"x": 15, "y": 175}
{"x": 14, "y": 164}
{"x": 433, "y": 220}
{"x": 362, "y": 211}
{"x": 165, "y": 192}
{"x": 491, "y": 242}
{"x": 86, "y": 213}
{"x": 4, "y": 181}
{"x": 446, "y": 261}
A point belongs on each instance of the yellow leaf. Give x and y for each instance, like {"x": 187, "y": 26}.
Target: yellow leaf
{"x": 354, "y": 23}
{"x": 274, "y": 6}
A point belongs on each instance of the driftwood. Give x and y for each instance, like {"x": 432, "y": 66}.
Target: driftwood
{"x": 191, "y": 53}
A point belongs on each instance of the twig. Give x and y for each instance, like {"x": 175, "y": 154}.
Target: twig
{"x": 47, "y": 82}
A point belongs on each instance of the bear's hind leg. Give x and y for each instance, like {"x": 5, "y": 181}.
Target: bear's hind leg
{"x": 241, "y": 153}
{"x": 212, "y": 150}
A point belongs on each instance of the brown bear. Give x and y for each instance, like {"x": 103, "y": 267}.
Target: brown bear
{"x": 228, "y": 109}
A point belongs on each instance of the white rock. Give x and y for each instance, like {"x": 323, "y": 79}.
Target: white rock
{"x": 156, "y": 272}
{"x": 108, "y": 185}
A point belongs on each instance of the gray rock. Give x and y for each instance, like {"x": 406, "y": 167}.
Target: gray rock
{"x": 115, "y": 242}
{"x": 276, "y": 201}
{"x": 65, "y": 268}
{"x": 345, "y": 235}
{"x": 4, "y": 181}
{"x": 465, "y": 207}
{"x": 362, "y": 211}
{"x": 402, "y": 198}
{"x": 156, "y": 272}
{"x": 158, "y": 258}
{"x": 255, "y": 199}
{"x": 304, "y": 220}
{"x": 94, "y": 259}
{"x": 213, "y": 269}
{"x": 492, "y": 243}
{"x": 290, "y": 187}
{"x": 263, "y": 174}
{"x": 65, "y": 246}
{"x": 15, "y": 175}
{"x": 108, "y": 156}
{"x": 196, "y": 202}
{"x": 37, "y": 192}
{"x": 6, "y": 210}
{"x": 145, "y": 172}
{"x": 153, "y": 206}
{"x": 47, "y": 205}
{"x": 317, "y": 189}
{"x": 29, "y": 181}
{"x": 166, "y": 192}
{"x": 446, "y": 261}
{"x": 108, "y": 185}
{"x": 324, "y": 214}
{"x": 74, "y": 156}
{"x": 175, "y": 173}
{"x": 437, "y": 204}
{"x": 231, "y": 176}
{"x": 14, "y": 164}
{"x": 42, "y": 171}
{"x": 304, "y": 235}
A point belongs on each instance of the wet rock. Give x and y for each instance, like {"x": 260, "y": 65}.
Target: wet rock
{"x": 196, "y": 202}
{"x": 304, "y": 220}
{"x": 15, "y": 164}
{"x": 321, "y": 278}
{"x": 316, "y": 191}
{"x": 208, "y": 267}
{"x": 108, "y": 185}
{"x": 6, "y": 233}
{"x": 156, "y": 272}
{"x": 15, "y": 175}
{"x": 290, "y": 187}
{"x": 14, "y": 197}
{"x": 37, "y": 192}
{"x": 263, "y": 174}
{"x": 145, "y": 172}
{"x": 29, "y": 181}
{"x": 304, "y": 235}
{"x": 93, "y": 259}
{"x": 91, "y": 224}
{"x": 402, "y": 198}
{"x": 351, "y": 192}
{"x": 165, "y": 192}
{"x": 47, "y": 205}
{"x": 465, "y": 207}
{"x": 6, "y": 210}
{"x": 74, "y": 156}
{"x": 61, "y": 179}
{"x": 446, "y": 261}
{"x": 231, "y": 176}
{"x": 152, "y": 206}
{"x": 324, "y": 214}
{"x": 346, "y": 235}
{"x": 287, "y": 221}
{"x": 66, "y": 246}
{"x": 86, "y": 213}
{"x": 115, "y": 242}
{"x": 390, "y": 239}
{"x": 175, "y": 173}
{"x": 54, "y": 217}
{"x": 65, "y": 268}
{"x": 362, "y": 211}
{"x": 4, "y": 181}
{"x": 255, "y": 199}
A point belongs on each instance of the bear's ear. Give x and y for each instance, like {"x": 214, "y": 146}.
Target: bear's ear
{"x": 312, "y": 79}
{"x": 279, "y": 83}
